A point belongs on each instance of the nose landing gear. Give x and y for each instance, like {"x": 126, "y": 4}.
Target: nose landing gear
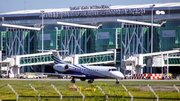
{"x": 117, "y": 81}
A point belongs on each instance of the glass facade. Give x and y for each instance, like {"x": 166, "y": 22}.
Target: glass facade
{"x": 49, "y": 40}
{"x": 18, "y": 42}
{"x": 129, "y": 41}
{"x": 169, "y": 38}
{"x": 172, "y": 23}
{"x": 88, "y": 41}
{"x": 135, "y": 40}
{"x": 77, "y": 41}
{"x": 109, "y": 42}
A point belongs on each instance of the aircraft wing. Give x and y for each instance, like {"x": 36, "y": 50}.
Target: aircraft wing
{"x": 65, "y": 74}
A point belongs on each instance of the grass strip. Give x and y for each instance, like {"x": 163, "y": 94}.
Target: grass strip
{"x": 109, "y": 87}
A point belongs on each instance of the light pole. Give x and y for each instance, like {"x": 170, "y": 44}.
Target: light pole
{"x": 42, "y": 13}
{"x": 152, "y": 7}
{"x": 162, "y": 13}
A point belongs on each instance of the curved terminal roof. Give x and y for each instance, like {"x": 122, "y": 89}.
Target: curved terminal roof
{"x": 52, "y": 16}
{"x": 147, "y": 6}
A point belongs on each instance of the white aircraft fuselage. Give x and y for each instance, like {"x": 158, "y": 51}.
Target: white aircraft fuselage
{"x": 90, "y": 72}
{"x": 84, "y": 72}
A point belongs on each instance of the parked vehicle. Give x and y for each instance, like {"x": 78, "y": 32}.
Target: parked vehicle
{"x": 22, "y": 76}
{"x": 41, "y": 75}
{"x": 32, "y": 75}
{"x": 28, "y": 76}
{"x": 4, "y": 74}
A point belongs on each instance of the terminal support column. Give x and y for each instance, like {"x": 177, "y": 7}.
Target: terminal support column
{"x": 167, "y": 65}
{"x": 56, "y": 37}
{"x": 43, "y": 68}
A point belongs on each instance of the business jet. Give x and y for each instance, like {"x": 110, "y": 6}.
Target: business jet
{"x": 84, "y": 72}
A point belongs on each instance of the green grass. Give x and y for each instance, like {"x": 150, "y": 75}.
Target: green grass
{"x": 139, "y": 93}
{"x": 44, "y": 88}
{"x": 5, "y": 92}
{"x": 168, "y": 94}
{"x": 115, "y": 90}
{"x": 141, "y": 82}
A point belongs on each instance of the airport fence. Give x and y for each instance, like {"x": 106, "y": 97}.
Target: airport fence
{"x": 80, "y": 92}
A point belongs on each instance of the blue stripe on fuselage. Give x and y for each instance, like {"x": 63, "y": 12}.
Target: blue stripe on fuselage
{"x": 80, "y": 73}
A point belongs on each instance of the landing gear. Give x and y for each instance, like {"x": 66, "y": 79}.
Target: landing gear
{"x": 90, "y": 80}
{"x": 117, "y": 81}
{"x": 83, "y": 79}
{"x": 72, "y": 80}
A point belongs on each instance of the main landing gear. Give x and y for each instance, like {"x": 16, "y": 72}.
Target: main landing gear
{"x": 90, "y": 80}
{"x": 117, "y": 81}
{"x": 73, "y": 80}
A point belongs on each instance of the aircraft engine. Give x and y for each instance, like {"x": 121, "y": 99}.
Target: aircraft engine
{"x": 61, "y": 67}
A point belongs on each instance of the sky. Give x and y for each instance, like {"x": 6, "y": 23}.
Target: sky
{"x": 17, "y": 5}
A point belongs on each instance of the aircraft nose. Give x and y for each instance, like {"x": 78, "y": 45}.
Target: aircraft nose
{"x": 122, "y": 76}
{"x": 118, "y": 74}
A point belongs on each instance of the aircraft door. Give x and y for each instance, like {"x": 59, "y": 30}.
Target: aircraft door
{"x": 110, "y": 72}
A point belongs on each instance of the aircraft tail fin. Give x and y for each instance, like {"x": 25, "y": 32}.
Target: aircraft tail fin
{"x": 56, "y": 57}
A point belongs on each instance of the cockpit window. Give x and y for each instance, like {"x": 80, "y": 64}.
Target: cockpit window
{"x": 112, "y": 70}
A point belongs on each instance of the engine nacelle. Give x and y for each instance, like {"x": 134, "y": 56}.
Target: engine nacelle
{"x": 61, "y": 67}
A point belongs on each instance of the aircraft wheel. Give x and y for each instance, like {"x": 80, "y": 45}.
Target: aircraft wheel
{"x": 90, "y": 81}
{"x": 117, "y": 81}
{"x": 72, "y": 81}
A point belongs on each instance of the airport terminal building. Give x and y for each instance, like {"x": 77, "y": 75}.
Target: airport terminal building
{"x": 133, "y": 48}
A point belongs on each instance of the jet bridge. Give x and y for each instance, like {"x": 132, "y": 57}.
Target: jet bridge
{"x": 6, "y": 67}
{"x": 34, "y": 59}
{"x": 136, "y": 62}
{"x": 14, "y": 63}
{"x": 88, "y": 59}
{"x": 96, "y": 58}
